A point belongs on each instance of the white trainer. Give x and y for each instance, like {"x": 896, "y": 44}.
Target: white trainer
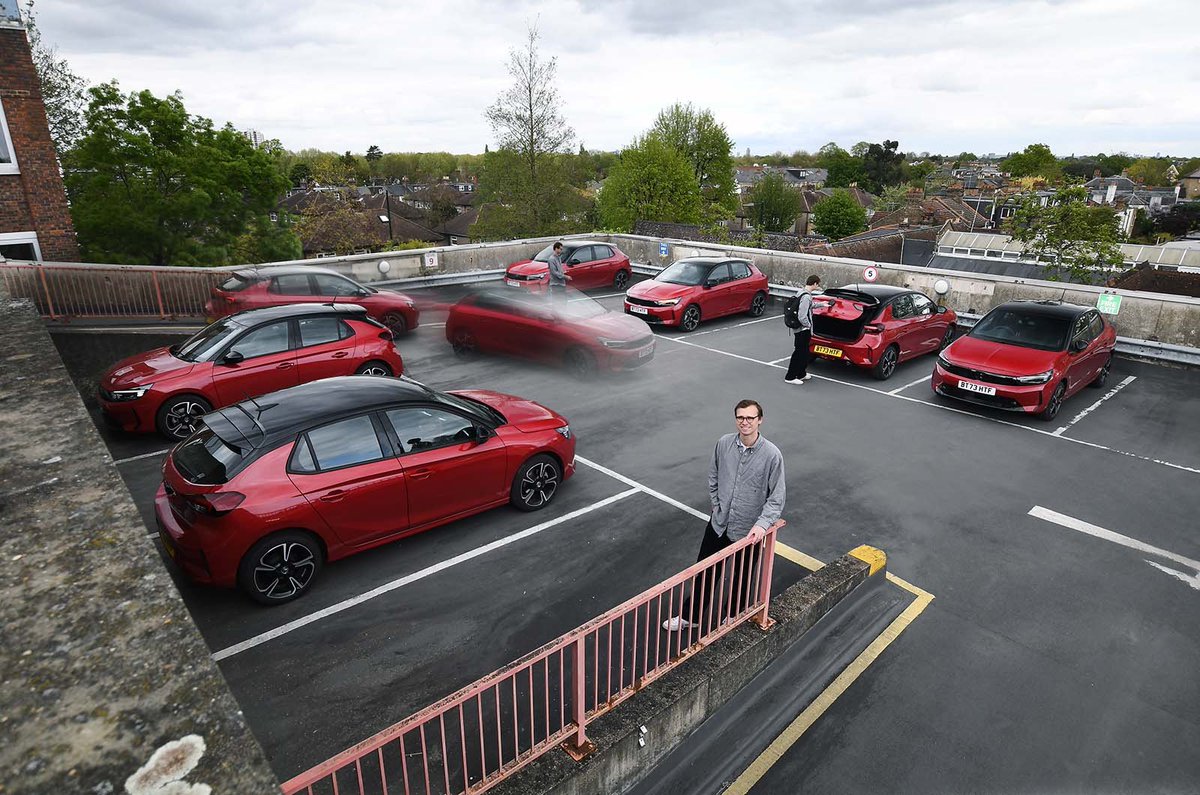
{"x": 675, "y": 624}
{"x": 793, "y": 381}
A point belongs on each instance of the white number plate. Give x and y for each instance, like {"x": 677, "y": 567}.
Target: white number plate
{"x": 638, "y": 310}
{"x": 512, "y": 282}
{"x": 642, "y": 354}
{"x": 969, "y": 386}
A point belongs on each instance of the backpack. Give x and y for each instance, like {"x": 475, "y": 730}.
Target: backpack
{"x": 791, "y": 311}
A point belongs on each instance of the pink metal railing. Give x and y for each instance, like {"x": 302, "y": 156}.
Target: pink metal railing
{"x": 103, "y": 291}
{"x": 470, "y": 741}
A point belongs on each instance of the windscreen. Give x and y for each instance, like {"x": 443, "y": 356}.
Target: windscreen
{"x": 206, "y": 342}
{"x": 206, "y": 458}
{"x": 1027, "y": 329}
{"x": 684, "y": 272}
{"x": 235, "y": 283}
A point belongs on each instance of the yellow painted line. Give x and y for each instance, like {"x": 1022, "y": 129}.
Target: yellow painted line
{"x": 797, "y": 557}
{"x": 759, "y": 767}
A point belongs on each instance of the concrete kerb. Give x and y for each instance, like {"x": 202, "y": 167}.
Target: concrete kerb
{"x": 672, "y": 707}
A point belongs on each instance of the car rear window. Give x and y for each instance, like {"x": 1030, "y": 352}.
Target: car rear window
{"x": 1042, "y": 332}
{"x": 207, "y": 458}
{"x": 236, "y": 283}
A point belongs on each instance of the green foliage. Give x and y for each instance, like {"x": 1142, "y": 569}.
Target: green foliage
{"x": 373, "y": 153}
{"x": 652, "y": 181}
{"x": 1036, "y": 161}
{"x": 776, "y": 204}
{"x": 891, "y": 198}
{"x": 1188, "y": 166}
{"x": 513, "y": 206}
{"x": 844, "y": 168}
{"x": 300, "y": 173}
{"x": 1150, "y": 170}
{"x": 1182, "y": 218}
{"x": 883, "y": 165}
{"x": 839, "y": 216}
{"x": 703, "y": 141}
{"x": 1111, "y": 165}
{"x": 151, "y": 185}
{"x": 1068, "y": 235}
{"x": 917, "y": 174}
{"x": 264, "y": 241}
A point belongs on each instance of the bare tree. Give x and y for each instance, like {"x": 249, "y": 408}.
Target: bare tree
{"x": 526, "y": 121}
{"x": 63, "y": 91}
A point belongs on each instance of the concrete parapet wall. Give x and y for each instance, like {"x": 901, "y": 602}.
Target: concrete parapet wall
{"x": 672, "y": 707}
{"x": 101, "y": 663}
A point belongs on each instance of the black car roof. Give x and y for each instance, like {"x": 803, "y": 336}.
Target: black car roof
{"x": 267, "y": 271}
{"x": 881, "y": 291}
{"x": 713, "y": 260}
{"x": 1049, "y": 308}
{"x": 252, "y": 317}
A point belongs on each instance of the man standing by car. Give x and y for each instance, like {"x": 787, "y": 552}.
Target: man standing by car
{"x": 747, "y": 491}
{"x": 558, "y": 276}
{"x": 797, "y": 372}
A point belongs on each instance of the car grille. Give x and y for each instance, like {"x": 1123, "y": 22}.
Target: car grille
{"x": 981, "y": 375}
{"x": 993, "y": 401}
{"x": 521, "y": 277}
{"x": 632, "y": 344}
{"x": 642, "y": 301}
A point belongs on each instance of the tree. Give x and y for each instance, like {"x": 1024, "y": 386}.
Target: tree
{"x": 150, "y": 184}
{"x": 64, "y": 93}
{"x": 893, "y": 197}
{"x": 1111, "y": 165}
{"x": 1036, "y": 161}
{"x": 1067, "y": 235}
{"x": 859, "y": 150}
{"x": 265, "y": 241}
{"x": 776, "y": 204}
{"x": 506, "y": 210}
{"x": 526, "y": 121}
{"x": 300, "y": 173}
{"x": 882, "y": 166}
{"x": 339, "y": 226}
{"x": 1149, "y": 170}
{"x": 839, "y": 216}
{"x": 374, "y": 153}
{"x": 1182, "y": 218}
{"x": 703, "y": 141}
{"x": 651, "y": 181}
{"x": 844, "y": 169}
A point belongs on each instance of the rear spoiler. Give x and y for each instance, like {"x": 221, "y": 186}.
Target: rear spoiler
{"x": 850, "y": 293}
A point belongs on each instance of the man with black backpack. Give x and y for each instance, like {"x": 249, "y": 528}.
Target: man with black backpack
{"x": 797, "y": 316}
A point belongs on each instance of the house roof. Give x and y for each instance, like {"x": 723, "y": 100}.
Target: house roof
{"x": 459, "y": 225}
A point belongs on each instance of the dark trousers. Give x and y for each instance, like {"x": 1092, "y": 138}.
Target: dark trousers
{"x": 798, "y": 366}
{"x": 698, "y": 608}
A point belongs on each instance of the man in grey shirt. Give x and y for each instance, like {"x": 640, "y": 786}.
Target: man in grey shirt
{"x": 747, "y": 490}
{"x": 558, "y": 276}
{"x": 797, "y": 372}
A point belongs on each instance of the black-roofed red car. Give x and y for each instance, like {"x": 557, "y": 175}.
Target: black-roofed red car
{"x": 270, "y": 490}
{"x": 1028, "y": 356}
{"x": 698, "y": 289}
{"x": 877, "y": 326}
{"x": 277, "y": 285}
{"x": 589, "y": 263}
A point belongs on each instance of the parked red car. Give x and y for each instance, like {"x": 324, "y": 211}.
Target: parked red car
{"x": 269, "y": 490}
{"x": 247, "y": 354}
{"x": 572, "y": 330}
{"x": 1028, "y": 356}
{"x": 277, "y": 285}
{"x": 877, "y": 326}
{"x": 589, "y": 263}
{"x": 699, "y": 288}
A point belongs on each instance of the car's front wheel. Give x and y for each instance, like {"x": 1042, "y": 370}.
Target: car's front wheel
{"x": 464, "y": 343}
{"x": 690, "y": 319}
{"x": 536, "y": 483}
{"x": 280, "y": 567}
{"x": 886, "y": 365}
{"x": 581, "y": 363}
{"x": 758, "y": 304}
{"x": 396, "y": 323}
{"x": 947, "y": 338}
{"x": 1055, "y": 403}
{"x": 177, "y": 417}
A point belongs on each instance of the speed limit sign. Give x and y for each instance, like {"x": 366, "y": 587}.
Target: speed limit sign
{"x": 870, "y": 274}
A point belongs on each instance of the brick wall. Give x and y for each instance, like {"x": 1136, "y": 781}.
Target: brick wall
{"x": 34, "y": 200}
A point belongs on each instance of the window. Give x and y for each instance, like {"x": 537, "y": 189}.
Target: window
{"x": 580, "y": 255}
{"x": 902, "y": 307}
{"x": 921, "y": 304}
{"x": 426, "y": 428}
{"x": 291, "y": 284}
{"x": 719, "y": 274}
{"x": 20, "y": 245}
{"x": 601, "y": 252}
{"x": 1083, "y": 329}
{"x": 8, "y": 158}
{"x": 740, "y": 270}
{"x": 1097, "y": 325}
{"x": 342, "y": 444}
{"x": 335, "y": 285}
{"x": 320, "y": 330}
{"x": 263, "y": 341}
{"x": 206, "y": 458}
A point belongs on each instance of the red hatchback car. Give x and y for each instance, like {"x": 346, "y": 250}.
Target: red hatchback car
{"x": 277, "y": 285}
{"x": 589, "y": 263}
{"x": 269, "y": 490}
{"x": 241, "y": 356}
{"x": 572, "y": 330}
{"x": 1028, "y": 356}
{"x": 699, "y": 288}
{"x": 877, "y": 326}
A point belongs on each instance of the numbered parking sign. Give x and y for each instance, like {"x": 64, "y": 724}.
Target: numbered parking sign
{"x": 662, "y": 249}
{"x": 1109, "y": 303}
{"x": 870, "y": 274}
{"x": 431, "y": 261}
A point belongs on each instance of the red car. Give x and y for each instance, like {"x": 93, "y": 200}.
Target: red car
{"x": 877, "y": 326}
{"x": 247, "y": 354}
{"x": 589, "y": 263}
{"x": 699, "y": 288}
{"x": 269, "y": 490}
{"x": 277, "y": 285}
{"x": 571, "y": 330}
{"x": 1028, "y": 356}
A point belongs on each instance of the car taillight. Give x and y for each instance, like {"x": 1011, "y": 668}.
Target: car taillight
{"x": 873, "y": 328}
{"x": 217, "y": 504}
{"x": 386, "y": 335}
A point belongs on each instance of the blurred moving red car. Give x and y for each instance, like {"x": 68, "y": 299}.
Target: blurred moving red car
{"x": 1028, "y": 356}
{"x": 247, "y": 354}
{"x": 589, "y": 263}
{"x": 699, "y": 288}
{"x": 877, "y": 326}
{"x": 269, "y": 490}
{"x": 277, "y": 285}
{"x": 571, "y": 330}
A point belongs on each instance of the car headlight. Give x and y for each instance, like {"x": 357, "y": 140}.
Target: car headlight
{"x": 669, "y": 302}
{"x": 607, "y": 343}
{"x": 942, "y": 362}
{"x": 1040, "y": 378}
{"x": 130, "y": 394}
{"x": 564, "y": 431}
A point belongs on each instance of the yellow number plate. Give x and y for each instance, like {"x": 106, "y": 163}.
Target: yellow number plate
{"x": 824, "y": 351}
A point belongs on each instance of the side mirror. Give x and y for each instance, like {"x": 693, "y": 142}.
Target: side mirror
{"x": 233, "y": 357}
{"x": 710, "y": 283}
{"x": 361, "y": 292}
{"x": 941, "y": 310}
{"x": 1078, "y": 346}
{"x": 482, "y": 434}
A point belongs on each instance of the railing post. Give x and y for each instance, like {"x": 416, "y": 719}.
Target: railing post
{"x": 46, "y": 288}
{"x": 162, "y": 313}
{"x": 579, "y": 747}
{"x": 761, "y": 618}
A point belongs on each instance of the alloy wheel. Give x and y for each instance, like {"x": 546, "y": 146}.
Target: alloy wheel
{"x": 691, "y": 319}
{"x": 1056, "y": 401}
{"x": 374, "y": 369}
{"x": 180, "y": 420}
{"x": 395, "y": 322}
{"x": 539, "y": 484}
{"x": 464, "y": 343}
{"x": 620, "y": 280}
{"x": 887, "y": 364}
{"x": 284, "y": 570}
{"x": 758, "y": 305}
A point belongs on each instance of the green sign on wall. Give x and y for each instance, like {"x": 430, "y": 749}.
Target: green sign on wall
{"x": 1109, "y": 303}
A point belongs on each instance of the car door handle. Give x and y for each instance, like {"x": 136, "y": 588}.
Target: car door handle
{"x": 420, "y": 474}
{"x": 341, "y": 354}
{"x": 334, "y": 496}
{"x": 284, "y": 366}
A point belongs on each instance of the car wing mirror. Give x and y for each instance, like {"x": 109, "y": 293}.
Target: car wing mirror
{"x": 482, "y": 434}
{"x": 941, "y": 310}
{"x": 710, "y": 283}
{"x": 233, "y": 357}
{"x": 1078, "y": 346}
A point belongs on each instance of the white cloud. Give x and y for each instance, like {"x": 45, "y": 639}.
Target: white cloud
{"x": 938, "y": 75}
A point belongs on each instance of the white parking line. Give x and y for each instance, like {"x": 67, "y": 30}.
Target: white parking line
{"x": 640, "y": 487}
{"x": 921, "y": 380}
{"x": 1071, "y": 523}
{"x": 736, "y": 325}
{"x": 140, "y": 457}
{"x": 346, "y": 604}
{"x": 782, "y": 359}
{"x": 1096, "y": 405}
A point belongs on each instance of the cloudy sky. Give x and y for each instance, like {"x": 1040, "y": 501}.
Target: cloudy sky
{"x": 1083, "y": 76}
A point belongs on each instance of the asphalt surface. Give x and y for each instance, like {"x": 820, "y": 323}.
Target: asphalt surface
{"x": 1051, "y": 660}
